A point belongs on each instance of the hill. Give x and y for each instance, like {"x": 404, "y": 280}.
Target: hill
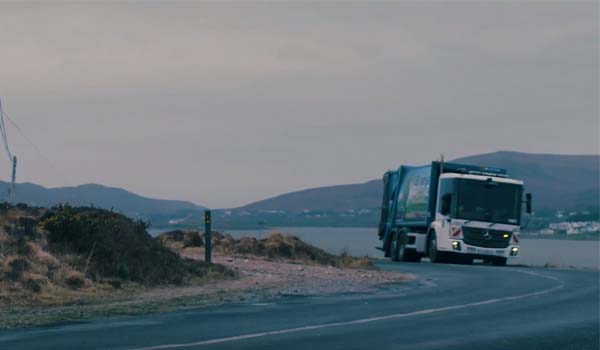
{"x": 330, "y": 198}
{"x": 99, "y": 196}
{"x": 557, "y": 182}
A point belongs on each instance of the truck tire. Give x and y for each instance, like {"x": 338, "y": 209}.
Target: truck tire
{"x": 403, "y": 253}
{"x": 435, "y": 256}
{"x": 394, "y": 247}
{"x": 499, "y": 261}
{"x": 407, "y": 254}
{"x": 399, "y": 252}
{"x": 388, "y": 246}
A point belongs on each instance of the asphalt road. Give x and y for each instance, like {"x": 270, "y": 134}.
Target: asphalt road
{"x": 448, "y": 307}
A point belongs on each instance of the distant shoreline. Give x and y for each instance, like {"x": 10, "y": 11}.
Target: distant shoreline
{"x": 155, "y": 230}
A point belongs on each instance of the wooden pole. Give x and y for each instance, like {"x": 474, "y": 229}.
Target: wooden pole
{"x": 207, "y": 237}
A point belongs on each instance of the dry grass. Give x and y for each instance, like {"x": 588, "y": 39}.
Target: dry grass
{"x": 277, "y": 246}
{"x": 40, "y": 278}
{"x": 178, "y": 240}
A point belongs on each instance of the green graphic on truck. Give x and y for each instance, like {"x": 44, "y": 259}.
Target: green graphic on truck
{"x": 413, "y": 201}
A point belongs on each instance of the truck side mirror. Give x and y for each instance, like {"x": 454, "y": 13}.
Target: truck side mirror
{"x": 446, "y": 201}
{"x": 528, "y": 204}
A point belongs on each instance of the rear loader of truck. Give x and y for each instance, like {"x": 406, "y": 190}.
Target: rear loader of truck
{"x": 451, "y": 213}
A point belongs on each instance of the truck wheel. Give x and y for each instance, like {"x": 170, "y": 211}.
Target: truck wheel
{"x": 387, "y": 247}
{"x": 410, "y": 255}
{"x": 401, "y": 252}
{"x": 394, "y": 247}
{"x": 499, "y": 261}
{"x": 434, "y": 255}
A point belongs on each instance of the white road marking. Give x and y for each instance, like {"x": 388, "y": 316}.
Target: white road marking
{"x": 365, "y": 320}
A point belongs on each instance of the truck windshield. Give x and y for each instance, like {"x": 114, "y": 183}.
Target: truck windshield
{"x": 495, "y": 202}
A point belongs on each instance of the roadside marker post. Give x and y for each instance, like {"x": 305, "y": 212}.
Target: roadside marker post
{"x": 207, "y": 237}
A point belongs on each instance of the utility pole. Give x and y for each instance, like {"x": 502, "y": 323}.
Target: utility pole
{"x": 14, "y": 177}
{"x": 207, "y": 237}
{"x": 11, "y": 157}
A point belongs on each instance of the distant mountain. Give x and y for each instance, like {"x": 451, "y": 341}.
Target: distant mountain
{"x": 557, "y": 182}
{"x": 100, "y": 196}
{"x": 331, "y": 198}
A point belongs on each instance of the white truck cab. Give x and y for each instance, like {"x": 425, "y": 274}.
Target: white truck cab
{"x": 479, "y": 216}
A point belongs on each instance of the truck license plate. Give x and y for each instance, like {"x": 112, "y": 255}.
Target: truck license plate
{"x": 489, "y": 252}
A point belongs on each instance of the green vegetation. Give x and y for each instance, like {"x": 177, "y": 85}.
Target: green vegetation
{"x": 117, "y": 246}
{"x": 65, "y": 253}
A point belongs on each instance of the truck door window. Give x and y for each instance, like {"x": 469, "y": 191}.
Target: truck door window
{"x": 447, "y": 186}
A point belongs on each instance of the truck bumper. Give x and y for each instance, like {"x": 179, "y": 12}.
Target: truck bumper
{"x": 512, "y": 251}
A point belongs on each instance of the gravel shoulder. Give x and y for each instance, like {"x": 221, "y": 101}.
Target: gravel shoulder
{"x": 258, "y": 280}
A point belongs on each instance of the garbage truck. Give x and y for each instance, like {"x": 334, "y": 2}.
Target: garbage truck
{"x": 452, "y": 213}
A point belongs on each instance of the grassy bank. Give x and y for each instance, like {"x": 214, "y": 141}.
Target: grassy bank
{"x": 64, "y": 255}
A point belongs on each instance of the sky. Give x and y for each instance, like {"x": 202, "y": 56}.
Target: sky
{"x": 223, "y": 104}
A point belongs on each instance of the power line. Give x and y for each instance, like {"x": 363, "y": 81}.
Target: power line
{"x": 3, "y": 133}
{"x": 12, "y": 158}
{"x": 31, "y": 143}
{"x": 37, "y": 150}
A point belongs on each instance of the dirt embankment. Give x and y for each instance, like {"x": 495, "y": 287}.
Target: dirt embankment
{"x": 81, "y": 263}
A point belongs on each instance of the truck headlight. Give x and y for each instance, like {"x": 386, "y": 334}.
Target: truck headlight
{"x": 514, "y": 251}
{"x": 456, "y": 245}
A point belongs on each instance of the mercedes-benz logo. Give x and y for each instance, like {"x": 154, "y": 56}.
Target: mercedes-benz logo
{"x": 487, "y": 235}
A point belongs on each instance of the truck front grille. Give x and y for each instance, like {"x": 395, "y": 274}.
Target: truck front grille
{"x": 482, "y": 237}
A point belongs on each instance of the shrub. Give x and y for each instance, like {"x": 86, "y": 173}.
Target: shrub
{"x": 75, "y": 280}
{"x": 123, "y": 272}
{"x": 179, "y": 239}
{"x": 17, "y": 268}
{"x": 34, "y": 285}
{"x": 116, "y": 284}
{"x": 119, "y": 247}
{"x": 194, "y": 240}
